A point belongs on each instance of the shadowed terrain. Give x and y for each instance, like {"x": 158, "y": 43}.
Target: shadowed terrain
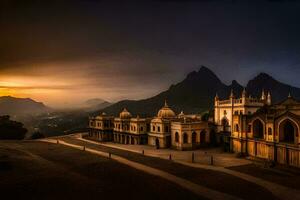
{"x": 35, "y": 170}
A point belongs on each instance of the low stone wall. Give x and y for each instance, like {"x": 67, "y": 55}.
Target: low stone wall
{"x": 286, "y": 154}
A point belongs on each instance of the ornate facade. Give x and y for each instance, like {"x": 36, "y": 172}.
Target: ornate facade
{"x": 129, "y": 130}
{"x": 160, "y": 128}
{"x": 101, "y": 127}
{"x": 271, "y": 133}
{"x": 190, "y": 133}
{"x": 166, "y": 130}
{"x": 224, "y": 110}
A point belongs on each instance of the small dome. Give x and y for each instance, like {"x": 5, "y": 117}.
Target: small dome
{"x": 125, "y": 114}
{"x": 166, "y": 112}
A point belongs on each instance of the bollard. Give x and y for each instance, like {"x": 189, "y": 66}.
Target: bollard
{"x": 170, "y": 157}
{"x": 109, "y": 155}
{"x": 211, "y": 160}
{"x": 143, "y": 152}
{"x": 193, "y": 157}
{"x": 83, "y": 148}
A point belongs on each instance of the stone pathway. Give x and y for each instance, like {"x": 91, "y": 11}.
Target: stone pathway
{"x": 197, "y": 189}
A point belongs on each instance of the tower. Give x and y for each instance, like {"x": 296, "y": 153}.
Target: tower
{"x": 263, "y": 95}
{"x": 269, "y": 99}
{"x": 231, "y": 95}
{"x": 216, "y": 99}
{"x": 244, "y": 96}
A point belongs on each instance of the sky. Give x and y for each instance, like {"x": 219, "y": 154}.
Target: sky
{"x": 65, "y": 52}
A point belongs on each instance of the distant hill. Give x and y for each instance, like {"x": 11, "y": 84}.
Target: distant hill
{"x": 95, "y": 104}
{"x": 196, "y": 94}
{"x": 21, "y": 106}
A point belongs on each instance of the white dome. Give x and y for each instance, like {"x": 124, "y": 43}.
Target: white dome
{"x": 125, "y": 114}
{"x": 166, "y": 112}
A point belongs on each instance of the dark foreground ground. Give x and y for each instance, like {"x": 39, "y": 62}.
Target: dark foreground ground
{"x": 35, "y": 170}
{"x": 212, "y": 179}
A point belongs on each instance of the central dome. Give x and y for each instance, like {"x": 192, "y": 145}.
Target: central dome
{"x": 166, "y": 112}
{"x": 125, "y": 114}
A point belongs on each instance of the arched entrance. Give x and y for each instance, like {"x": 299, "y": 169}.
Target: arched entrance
{"x": 287, "y": 131}
{"x": 258, "y": 129}
{"x": 225, "y": 124}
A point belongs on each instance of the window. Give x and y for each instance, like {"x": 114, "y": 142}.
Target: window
{"x": 258, "y": 129}
{"x": 237, "y": 128}
{"x": 142, "y": 129}
{"x": 249, "y": 128}
{"x": 194, "y": 137}
{"x": 225, "y": 122}
{"x": 185, "y": 138}
{"x": 176, "y": 137}
{"x": 153, "y": 128}
{"x": 202, "y": 136}
{"x": 167, "y": 129}
{"x": 236, "y": 112}
{"x": 158, "y": 129}
{"x": 269, "y": 131}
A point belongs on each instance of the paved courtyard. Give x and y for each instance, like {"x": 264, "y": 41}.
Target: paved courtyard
{"x": 201, "y": 156}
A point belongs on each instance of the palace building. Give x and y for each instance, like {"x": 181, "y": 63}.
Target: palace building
{"x": 250, "y": 126}
{"x": 257, "y": 128}
{"x": 160, "y": 127}
{"x": 101, "y": 127}
{"x": 166, "y": 130}
{"x": 129, "y": 130}
{"x": 224, "y": 110}
{"x": 271, "y": 133}
{"x": 190, "y": 133}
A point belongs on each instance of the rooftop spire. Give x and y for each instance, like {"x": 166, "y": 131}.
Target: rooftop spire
{"x": 216, "y": 97}
{"x": 166, "y": 105}
{"x": 231, "y": 94}
{"x": 263, "y": 96}
{"x": 244, "y": 92}
{"x": 269, "y": 99}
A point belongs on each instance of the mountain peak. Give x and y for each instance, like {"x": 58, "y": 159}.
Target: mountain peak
{"x": 263, "y": 76}
{"x": 204, "y": 69}
{"x": 18, "y": 106}
{"x": 234, "y": 82}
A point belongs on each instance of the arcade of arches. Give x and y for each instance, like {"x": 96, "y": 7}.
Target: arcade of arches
{"x": 272, "y": 133}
